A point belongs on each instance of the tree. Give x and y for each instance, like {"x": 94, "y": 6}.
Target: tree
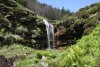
{"x": 44, "y": 10}
{"x": 22, "y": 2}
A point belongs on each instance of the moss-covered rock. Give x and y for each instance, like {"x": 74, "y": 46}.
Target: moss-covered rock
{"x": 80, "y": 24}
{"x": 20, "y": 25}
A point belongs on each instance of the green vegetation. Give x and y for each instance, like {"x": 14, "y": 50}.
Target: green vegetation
{"x": 81, "y": 23}
{"x": 44, "y": 10}
{"x": 19, "y": 25}
{"x": 83, "y": 54}
{"x": 22, "y": 31}
{"x": 22, "y": 2}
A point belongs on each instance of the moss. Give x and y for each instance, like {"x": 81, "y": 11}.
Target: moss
{"x": 80, "y": 24}
{"x": 20, "y": 23}
{"x": 24, "y": 27}
{"x": 84, "y": 53}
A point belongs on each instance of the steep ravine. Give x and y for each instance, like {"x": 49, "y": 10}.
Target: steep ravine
{"x": 18, "y": 25}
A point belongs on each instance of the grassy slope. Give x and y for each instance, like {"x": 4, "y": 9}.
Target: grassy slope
{"x": 83, "y": 54}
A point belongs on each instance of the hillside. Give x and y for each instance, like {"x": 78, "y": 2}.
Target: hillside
{"x": 79, "y": 24}
{"x": 45, "y": 10}
{"x": 22, "y": 31}
{"x": 18, "y": 25}
{"x": 84, "y": 53}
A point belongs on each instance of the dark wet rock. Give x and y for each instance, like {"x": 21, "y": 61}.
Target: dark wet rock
{"x": 9, "y": 62}
{"x": 4, "y": 62}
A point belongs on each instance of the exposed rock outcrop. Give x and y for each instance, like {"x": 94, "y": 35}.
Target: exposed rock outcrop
{"x": 80, "y": 24}
{"x": 20, "y": 25}
{"x": 4, "y": 62}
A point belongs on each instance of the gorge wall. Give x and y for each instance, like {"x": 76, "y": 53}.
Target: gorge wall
{"x": 73, "y": 27}
{"x": 18, "y": 25}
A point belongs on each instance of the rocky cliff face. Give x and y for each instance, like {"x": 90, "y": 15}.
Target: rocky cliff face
{"x": 81, "y": 23}
{"x": 19, "y": 25}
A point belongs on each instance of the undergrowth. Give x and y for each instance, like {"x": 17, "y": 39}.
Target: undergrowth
{"x": 85, "y": 53}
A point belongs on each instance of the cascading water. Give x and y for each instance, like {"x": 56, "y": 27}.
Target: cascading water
{"x": 50, "y": 35}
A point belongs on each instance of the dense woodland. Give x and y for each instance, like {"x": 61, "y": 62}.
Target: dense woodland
{"x": 45, "y": 10}
{"x": 23, "y": 38}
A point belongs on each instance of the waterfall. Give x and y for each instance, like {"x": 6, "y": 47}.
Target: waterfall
{"x": 50, "y": 35}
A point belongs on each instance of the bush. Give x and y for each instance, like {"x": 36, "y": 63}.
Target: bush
{"x": 22, "y": 2}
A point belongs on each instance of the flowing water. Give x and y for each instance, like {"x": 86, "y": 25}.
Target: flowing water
{"x": 50, "y": 34}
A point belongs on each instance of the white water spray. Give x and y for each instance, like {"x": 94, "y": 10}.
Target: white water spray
{"x": 50, "y": 35}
